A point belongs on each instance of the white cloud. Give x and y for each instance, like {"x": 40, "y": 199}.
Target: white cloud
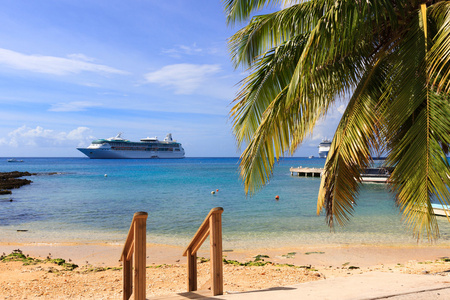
{"x": 53, "y": 65}
{"x": 80, "y": 56}
{"x": 341, "y": 108}
{"x": 73, "y": 106}
{"x": 26, "y": 136}
{"x": 184, "y": 78}
{"x": 193, "y": 49}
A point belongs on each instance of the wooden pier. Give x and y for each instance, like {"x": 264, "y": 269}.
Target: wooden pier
{"x": 373, "y": 175}
{"x": 306, "y": 172}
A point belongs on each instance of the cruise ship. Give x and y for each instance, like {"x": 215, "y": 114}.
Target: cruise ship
{"x": 118, "y": 147}
{"x": 324, "y": 147}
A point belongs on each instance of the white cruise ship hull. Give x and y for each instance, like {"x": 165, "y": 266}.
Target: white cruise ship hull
{"x": 324, "y": 148}
{"x": 323, "y": 154}
{"x": 121, "y": 154}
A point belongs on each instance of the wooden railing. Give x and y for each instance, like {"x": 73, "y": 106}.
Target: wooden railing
{"x": 211, "y": 225}
{"x": 135, "y": 245}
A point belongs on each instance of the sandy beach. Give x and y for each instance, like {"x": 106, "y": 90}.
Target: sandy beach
{"x": 99, "y": 275}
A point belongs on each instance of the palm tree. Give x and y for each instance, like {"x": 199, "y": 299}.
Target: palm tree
{"x": 390, "y": 58}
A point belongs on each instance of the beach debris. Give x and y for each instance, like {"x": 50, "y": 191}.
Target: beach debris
{"x": 22, "y": 230}
{"x": 315, "y": 252}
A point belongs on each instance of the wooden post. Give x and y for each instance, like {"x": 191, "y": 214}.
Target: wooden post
{"x": 192, "y": 271}
{"x": 215, "y": 229}
{"x": 212, "y": 226}
{"x": 127, "y": 278}
{"x": 140, "y": 256}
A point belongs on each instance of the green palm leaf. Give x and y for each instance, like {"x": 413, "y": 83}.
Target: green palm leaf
{"x": 391, "y": 58}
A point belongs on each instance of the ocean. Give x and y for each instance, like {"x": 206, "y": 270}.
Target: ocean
{"x": 93, "y": 201}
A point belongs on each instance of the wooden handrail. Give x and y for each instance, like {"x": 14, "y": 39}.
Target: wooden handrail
{"x": 212, "y": 225}
{"x": 135, "y": 245}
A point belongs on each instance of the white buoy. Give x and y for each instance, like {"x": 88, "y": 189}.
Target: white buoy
{"x": 106, "y": 175}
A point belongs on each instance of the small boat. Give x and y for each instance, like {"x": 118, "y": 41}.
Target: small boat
{"x": 311, "y": 156}
{"x": 441, "y": 210}
{"x": 14, "y": 160}
{"x": 376, "y": 175}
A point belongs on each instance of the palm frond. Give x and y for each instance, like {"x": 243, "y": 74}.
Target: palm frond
{"x": 271, "y": 74}
{"x": 240, "y": 10}
{"x": 271, "y": 30}
{"x": 439, "y": 66}
{"x": 350, "y": 150}
{"x": 417, "y": 130}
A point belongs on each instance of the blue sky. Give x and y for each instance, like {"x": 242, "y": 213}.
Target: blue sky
{"x": 75, "y": 70}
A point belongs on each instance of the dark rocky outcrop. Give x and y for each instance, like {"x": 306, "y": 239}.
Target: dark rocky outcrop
{"x": 12, "y": 180}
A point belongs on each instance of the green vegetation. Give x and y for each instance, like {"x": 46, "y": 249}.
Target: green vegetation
{"x": 289, "y": 255}
{"x": 247, "y": 264}
{"x": 202, "y": 259}
{"x": 260, "y": 257}
{"x": 259, "y": 262}
{"x": 314, "y": 252}
{"x": 17, "y": 255}
{"x": 160, "y": 266}
{"x": 101, "y": 269}
{"x": 389, "y": 60}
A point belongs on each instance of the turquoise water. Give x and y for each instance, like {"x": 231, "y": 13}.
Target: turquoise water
{"x": 80, "y": 204}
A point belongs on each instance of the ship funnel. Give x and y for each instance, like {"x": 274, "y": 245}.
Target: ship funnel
{"x": 168, "y": 138}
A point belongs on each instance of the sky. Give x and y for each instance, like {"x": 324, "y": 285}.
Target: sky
{"x": 72, "y": 71}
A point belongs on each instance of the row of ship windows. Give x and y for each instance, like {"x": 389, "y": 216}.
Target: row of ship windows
{"x": 144, "y": 149}
{"x": 140, "y": 145}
